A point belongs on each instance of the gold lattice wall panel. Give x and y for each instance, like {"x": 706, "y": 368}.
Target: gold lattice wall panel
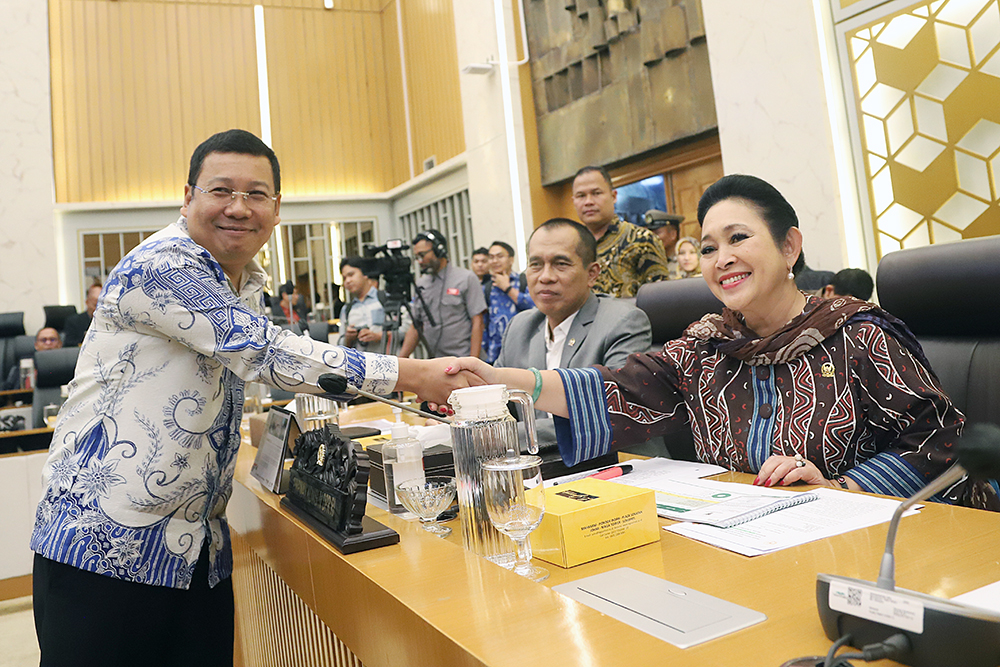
{"x": 927, "y": 88}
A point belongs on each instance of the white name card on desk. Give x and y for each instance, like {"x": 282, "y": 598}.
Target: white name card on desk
{"x": 676, "y": 614}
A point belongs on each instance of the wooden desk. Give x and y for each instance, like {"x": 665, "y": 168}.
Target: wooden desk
{"x": 426, "y": 601}
{"x": 12, "y": 396}
{"x": 27, "y": 440}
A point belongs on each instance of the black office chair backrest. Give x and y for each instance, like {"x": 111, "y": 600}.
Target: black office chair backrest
{"x": 319, "y": 331}
{"x": 11, "y": 326}
{"x": 672, "y": 305}
{"x": 56, "y": 316}
{"x": 24, "y": 347}
{"x": 53, "y": 369}
{"x": 948, "y": 295}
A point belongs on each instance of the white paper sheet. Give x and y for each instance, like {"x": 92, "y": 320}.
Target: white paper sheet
{"x": 834, "y": 513}
{"x": 987, "y": 597}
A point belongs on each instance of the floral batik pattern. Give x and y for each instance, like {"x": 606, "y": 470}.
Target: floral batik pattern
{"x": 143, "y": 454}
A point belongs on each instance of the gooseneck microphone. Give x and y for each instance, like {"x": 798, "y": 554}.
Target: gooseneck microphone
{"x": 941, "y": 633}
{"x": 979, "y": 456}
{"x": 335, "y": 384}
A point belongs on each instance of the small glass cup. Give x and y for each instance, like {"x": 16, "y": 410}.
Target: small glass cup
{"x": 427, "y": 498}
{"x": 50, "y": 413}
{"x": 316, "y": 411}
{"x": 515, "y": 502}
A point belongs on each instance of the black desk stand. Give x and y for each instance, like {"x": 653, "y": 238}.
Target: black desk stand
{"x": 373, "y": 534}
{"x": 328, "y": 490}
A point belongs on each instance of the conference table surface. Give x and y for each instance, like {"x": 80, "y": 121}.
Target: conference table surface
{"x": 427, "y": 601}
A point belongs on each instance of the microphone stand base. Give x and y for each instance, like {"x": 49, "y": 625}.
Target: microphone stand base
{"x": 942, "y": 633}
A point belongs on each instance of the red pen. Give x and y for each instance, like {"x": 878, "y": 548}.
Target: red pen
{"x": 612, "y": 472}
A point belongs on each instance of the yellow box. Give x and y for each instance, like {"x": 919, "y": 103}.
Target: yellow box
{"x": 590, "y": 519}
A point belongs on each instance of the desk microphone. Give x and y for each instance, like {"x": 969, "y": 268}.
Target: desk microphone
{"x": 941, "y": 633}
{"x": 335, "y": 384}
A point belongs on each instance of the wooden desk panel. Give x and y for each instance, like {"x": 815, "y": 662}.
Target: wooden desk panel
{"x": 426, "y": 601}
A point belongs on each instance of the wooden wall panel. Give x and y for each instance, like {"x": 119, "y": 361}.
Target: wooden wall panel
{"x": 395, "y": 111}
{"x": 432, "y": 80}
{"x": 328, "y": 101}
{"x": 137, "y": 85}
{"x": 339, "y": 5}
{"x": 274, "y": 626}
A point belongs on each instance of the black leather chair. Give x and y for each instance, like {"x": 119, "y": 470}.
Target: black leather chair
{"x": 53, "y": 369}
{"x": 319, "y": 331}
{"x": 672, "y": 305}
{"x": 949, "y": 296}
{"x": 11, "y": 326}
{"x": 56, "y": 316}
{"x": 24, "y": 347}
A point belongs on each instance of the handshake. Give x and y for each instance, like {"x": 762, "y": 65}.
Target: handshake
{"x": 433, "y": 380}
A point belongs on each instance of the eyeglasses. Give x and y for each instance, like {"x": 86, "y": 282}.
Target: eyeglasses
{"x": 420, "y": 255}
{"x": 253, "y": 199}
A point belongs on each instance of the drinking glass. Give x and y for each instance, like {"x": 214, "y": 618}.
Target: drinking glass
{"x": 515, "y": 502}
{"x": 427, "y": 498}
{"x": 316, "y": 411}
{"x": 254, "y": 394}
{"x": 50, "y": 413}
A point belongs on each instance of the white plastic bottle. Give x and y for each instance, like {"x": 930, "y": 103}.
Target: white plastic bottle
{"x": 402, "y": 459}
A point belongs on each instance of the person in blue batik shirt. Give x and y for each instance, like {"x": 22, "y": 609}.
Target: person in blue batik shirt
{"x": 505, "y": 298}
{"x": 132, "y": 549}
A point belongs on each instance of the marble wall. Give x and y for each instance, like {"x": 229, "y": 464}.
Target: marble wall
{"x": 491, "y": 195}
{"x": 782, "y": 118}
{"x": 29, "y": 266}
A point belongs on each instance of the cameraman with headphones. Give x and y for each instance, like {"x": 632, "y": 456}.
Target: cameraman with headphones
{"x": 454, "y": 299}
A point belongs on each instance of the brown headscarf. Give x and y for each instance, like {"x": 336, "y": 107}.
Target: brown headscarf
{"x": 820, "y": 319}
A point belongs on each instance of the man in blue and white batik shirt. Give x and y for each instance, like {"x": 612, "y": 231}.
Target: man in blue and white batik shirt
{"x": 133, "y": 557}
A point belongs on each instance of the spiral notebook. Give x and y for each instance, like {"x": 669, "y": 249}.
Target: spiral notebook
{"x": 721, "y": 504}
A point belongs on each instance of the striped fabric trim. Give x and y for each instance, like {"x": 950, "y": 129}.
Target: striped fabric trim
{"x": 762, "y": 430}
{"x": 355, "y": 367}
{"x": 890, "y": 475}
{"x": 589, "y": 424}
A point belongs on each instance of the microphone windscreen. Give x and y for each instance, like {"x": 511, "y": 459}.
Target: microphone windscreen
{"x": 978, "y": 450}
{"x": 332, "y": 383}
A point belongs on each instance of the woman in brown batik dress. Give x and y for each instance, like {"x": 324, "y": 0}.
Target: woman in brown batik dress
{"x": 784, "y": 385}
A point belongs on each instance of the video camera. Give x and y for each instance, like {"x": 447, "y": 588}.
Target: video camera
{"x": 390, "y": 262}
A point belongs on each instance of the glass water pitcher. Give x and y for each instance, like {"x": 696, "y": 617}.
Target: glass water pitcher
{"x": 483, "y": 428}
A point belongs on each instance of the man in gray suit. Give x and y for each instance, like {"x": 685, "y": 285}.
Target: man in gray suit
{"x": 570, "y": 327}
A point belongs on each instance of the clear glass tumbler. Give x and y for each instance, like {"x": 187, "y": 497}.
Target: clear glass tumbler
{"x": 515, "y": 501}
